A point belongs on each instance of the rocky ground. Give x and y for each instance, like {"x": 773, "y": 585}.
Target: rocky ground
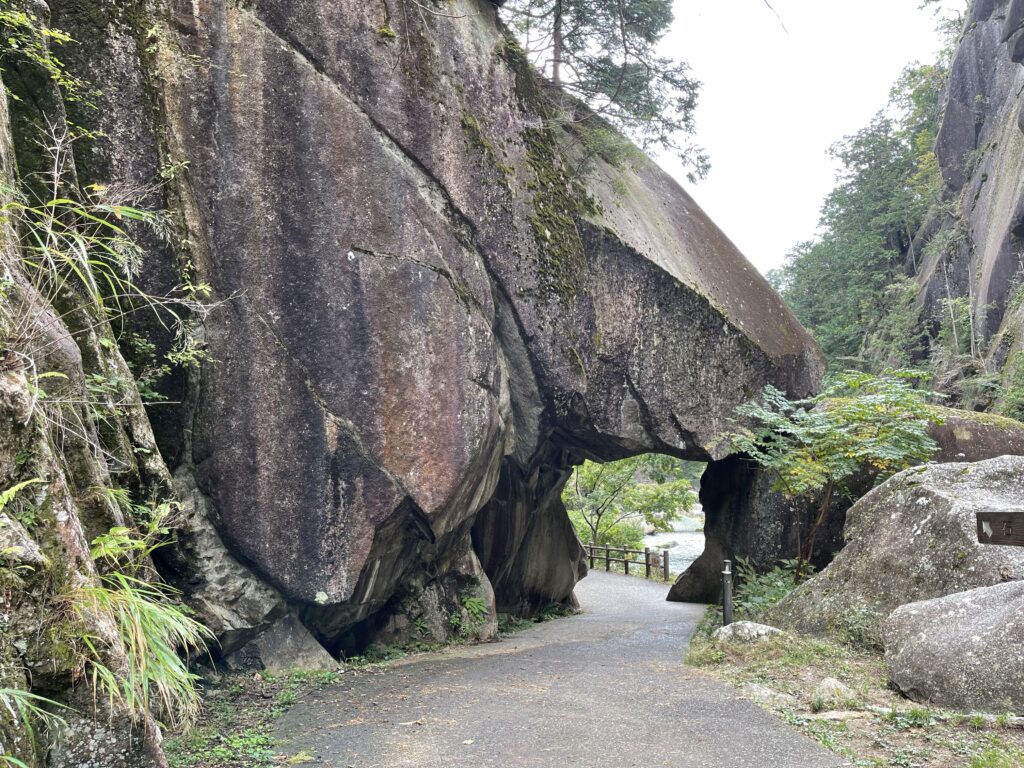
{"x": 839, "y": 696}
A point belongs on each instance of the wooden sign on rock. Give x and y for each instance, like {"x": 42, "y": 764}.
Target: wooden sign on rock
{"x": 1005, "y": 528}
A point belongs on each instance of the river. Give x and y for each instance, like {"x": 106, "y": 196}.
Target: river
{"x": 684, "y": 543}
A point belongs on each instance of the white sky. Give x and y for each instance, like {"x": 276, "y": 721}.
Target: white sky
{"x": 773, "y": 103}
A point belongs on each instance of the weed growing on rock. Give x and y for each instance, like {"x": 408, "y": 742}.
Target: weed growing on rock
{"x": 27, "y": 710}
{"x": 757, "y": 592}
{"x": 27, "y": 38}
{"x": 152, "y": 629}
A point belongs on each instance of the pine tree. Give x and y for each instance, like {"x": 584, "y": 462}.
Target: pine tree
{"x": 604, "y": 53}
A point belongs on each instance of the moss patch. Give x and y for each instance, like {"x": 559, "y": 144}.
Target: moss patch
{"x": 474, "y": 132}
{"x": 559, "y": 202}
{"x": 1006, "y": 421}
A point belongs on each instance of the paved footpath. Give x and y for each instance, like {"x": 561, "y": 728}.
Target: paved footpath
{"x": 605, "y": 689}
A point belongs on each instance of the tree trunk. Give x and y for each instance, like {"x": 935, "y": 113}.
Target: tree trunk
{"x": 826, "y": 503}
{"x": 559, "y": 44}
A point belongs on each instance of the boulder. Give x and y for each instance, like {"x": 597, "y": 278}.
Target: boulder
{"x": 963, "y": 651}
{"x": 745, "y": 518}
{"x": 745, "y": 633}
{"x": 765, "y": 696}
{"x": 434, "y": 304}
{"x": 913, "y": 538}
{"x": 286, "y": 646}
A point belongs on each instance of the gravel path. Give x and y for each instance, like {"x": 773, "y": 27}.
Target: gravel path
{"x": 606, "y": 688}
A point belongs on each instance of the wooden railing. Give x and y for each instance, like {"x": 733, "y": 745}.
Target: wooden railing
{"x": 651, "y": 560}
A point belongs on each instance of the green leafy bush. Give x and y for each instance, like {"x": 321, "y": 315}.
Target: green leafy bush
{"x": 25, "y": 709}
{"x": 757, "y": 592}
{"x": 860, "y": 423}
{"x": 153, "y": 627}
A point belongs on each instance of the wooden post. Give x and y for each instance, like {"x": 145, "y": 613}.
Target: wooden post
{"x": 590, "y": 549}
{"x": 607, "y": 558}
{"x": 625, "y": 561}
{"x": 647, "y": 562}
{"x": 664, "y": 563}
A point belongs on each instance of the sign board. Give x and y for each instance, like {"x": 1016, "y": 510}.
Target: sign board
{"x": 1006, "y": 528}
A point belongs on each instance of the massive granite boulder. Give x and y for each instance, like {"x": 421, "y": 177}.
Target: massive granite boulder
{"x": 913, "y": 538}
{"x": 435, "y": 304}
{"x": 434, "y": 298}
{"x": 745, "y": 518}
{"x": 964, "y": 651}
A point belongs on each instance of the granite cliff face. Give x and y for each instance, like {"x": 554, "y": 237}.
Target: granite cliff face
{"x": 975, "y": 235}
{"x": 435, "y": 302}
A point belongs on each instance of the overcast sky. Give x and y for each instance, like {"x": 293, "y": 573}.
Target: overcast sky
{"x": 773, "y": 102}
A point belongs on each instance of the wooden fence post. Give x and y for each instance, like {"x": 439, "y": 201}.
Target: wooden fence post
{"x": 625, "y": 561}
{"x": 590, "y": 549}
{"x": 647, "y": 562}
{"x": 607, "y": 559}
{"x": 664, "y": 562}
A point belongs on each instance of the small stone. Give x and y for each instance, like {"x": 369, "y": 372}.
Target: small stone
{"x": 745, "y": 632}
{"x": 831, "y": 693}
{"x": 766, "y": 696}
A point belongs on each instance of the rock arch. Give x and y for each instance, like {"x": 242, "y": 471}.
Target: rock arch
{"x": 434, "y": 305}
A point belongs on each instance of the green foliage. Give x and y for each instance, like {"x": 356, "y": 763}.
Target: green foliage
{"x": 81, "y": 255}
{"x": 998, "y": 757}
{"x": 605, "y": 52}
{"x": 27, "y": 710}
{"x": 476, "y": 608}
{"x": 849, "y": 287}
{"x": 859, "y": 423}
{"x": 757, "y": 592}
{"x": 8, "y": 495}
{"x": 476, "y": 614}
{"x": 153, "y": 628}
{"x": 858, "y": 627}
{"x": 24, "y": 37}
{"x": 26, "y": 515}
{"x": 1011, "y": 396}
{"x": 955, "y": 333}
{"x": 610, "y": 504}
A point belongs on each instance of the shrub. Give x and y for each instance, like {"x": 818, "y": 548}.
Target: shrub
{"x": 757, "y": 592}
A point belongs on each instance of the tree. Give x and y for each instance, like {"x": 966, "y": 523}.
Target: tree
{"x": 604, "y": 52}
{"x": 859, "y": 423}
{"x": 610, "y": 504}
{"x": 847, "y": 285}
